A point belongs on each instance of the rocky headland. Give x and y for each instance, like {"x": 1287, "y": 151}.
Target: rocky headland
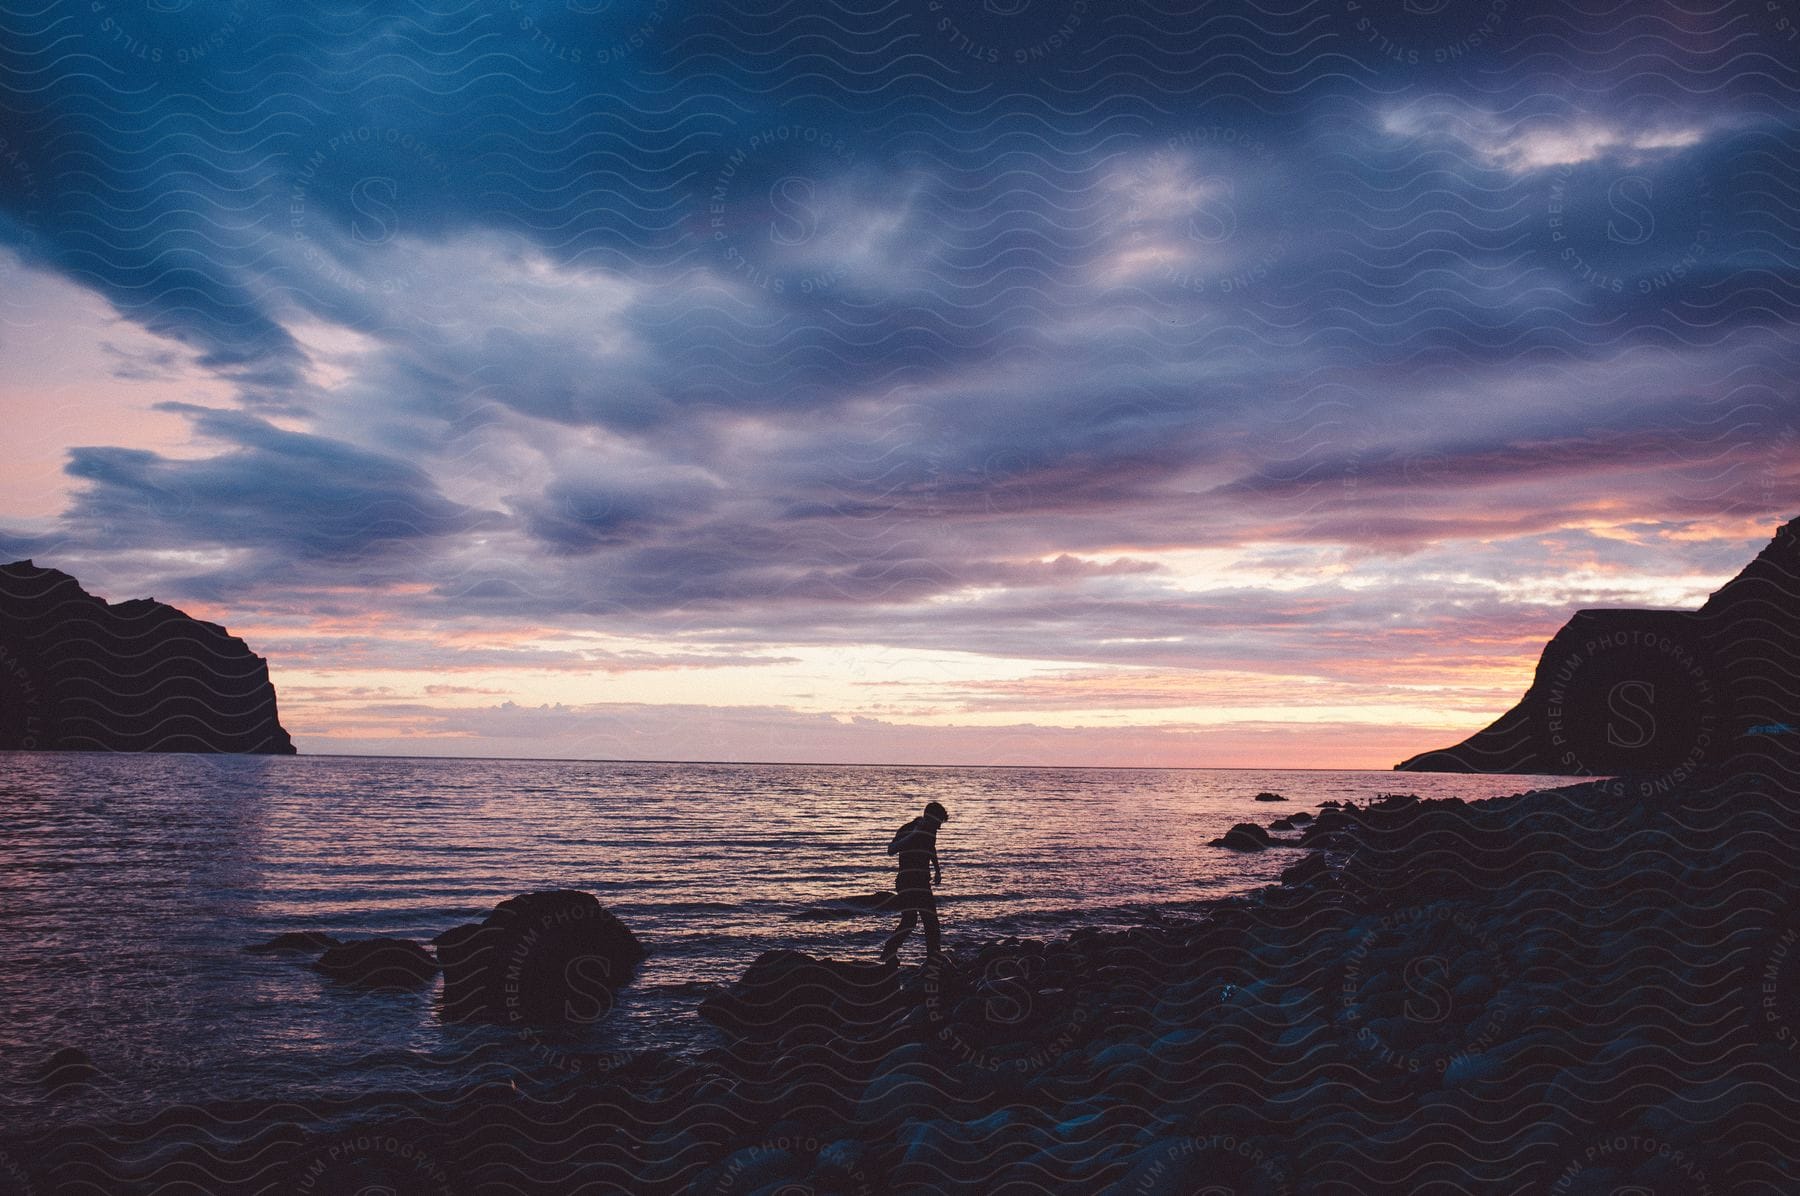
{"x": 1664, "y": 693}
{"x": 78, "y": 673}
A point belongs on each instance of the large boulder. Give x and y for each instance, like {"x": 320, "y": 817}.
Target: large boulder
{"x": 67, "y": 1069}
{"x": 1308, "y": 870}
{"x": 783, "y": 991}
{"x": 378, "y": 963}
{"x": 543, "y": 958}
{"x": 1245, "y": 836}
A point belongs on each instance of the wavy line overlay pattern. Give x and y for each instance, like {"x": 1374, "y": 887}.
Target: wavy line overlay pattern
{"x": 835, "y": 322}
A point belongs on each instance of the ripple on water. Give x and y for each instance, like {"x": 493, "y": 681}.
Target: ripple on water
{"x": 133, "y": 882}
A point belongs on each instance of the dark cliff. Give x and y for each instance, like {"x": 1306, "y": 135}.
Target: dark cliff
{"x": 80, "y": 674}
{"x": 1663, "y": 693}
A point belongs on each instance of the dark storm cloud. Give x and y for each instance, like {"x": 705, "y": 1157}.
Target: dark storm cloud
{"x": 573, "y": 517}
{"x": 725, "y": 316}
{"x": 284, "y": 495}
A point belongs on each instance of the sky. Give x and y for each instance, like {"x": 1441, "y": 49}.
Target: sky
{"x": 989, "y": 382}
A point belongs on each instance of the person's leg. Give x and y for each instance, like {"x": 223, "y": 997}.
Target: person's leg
{"x": 908, "y": 920}
{"x": 929, "y": 913}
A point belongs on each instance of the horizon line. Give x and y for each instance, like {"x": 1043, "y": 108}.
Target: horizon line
{"x": 871, "y": 764}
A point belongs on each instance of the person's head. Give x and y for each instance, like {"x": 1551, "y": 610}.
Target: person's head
{"x": 936, "y": 812}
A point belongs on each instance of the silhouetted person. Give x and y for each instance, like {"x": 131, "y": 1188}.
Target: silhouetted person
{"x": 916, "y": 845}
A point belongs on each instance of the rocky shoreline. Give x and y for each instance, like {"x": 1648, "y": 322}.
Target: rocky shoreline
{"x": 1581, "y": 990}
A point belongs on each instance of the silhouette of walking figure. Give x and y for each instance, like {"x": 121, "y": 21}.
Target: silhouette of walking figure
{"x": 916, "y": 845}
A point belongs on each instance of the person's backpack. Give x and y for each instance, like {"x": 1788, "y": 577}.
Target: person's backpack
{"x": 898, "y": 843}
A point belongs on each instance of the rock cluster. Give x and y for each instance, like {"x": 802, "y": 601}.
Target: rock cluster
{"x": 1577, "y": 991}
{"x": 541, "y": 958}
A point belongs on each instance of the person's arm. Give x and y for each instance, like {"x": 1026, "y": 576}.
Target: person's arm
{"x": 936, "y": 867}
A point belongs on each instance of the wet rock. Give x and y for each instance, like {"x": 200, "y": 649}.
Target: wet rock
{"x": 785, "y": 990}
{"x": 1310, "y": 869}
{"x": 66, "y": 1069}
{"x": 1182, "y": 1165}
{"x": 897, "y": 1094}
{"x": 1465, "y": 1071}
{"x": 1245, "y": 836}
{"x": 752, "y": 1168}
{"x": 841, "y": 1159}
{"x": 543, "y": 958}
{"x": 968, "y": 1157}
{"x": 1270, "y": 797}
{"x": 378, "y": 963}
{"x": 1330, "y": 820}
{"x": 313, "y": 941}
{"x": 1394, "y": 803}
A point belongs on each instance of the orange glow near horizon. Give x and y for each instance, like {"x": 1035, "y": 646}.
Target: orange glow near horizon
{"x": 378, "y": 681}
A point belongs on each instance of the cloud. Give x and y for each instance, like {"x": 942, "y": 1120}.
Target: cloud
{"x": 278, "y": 494}
{"x": 1114, "y": 342}
{"x": 1533, "y": 142}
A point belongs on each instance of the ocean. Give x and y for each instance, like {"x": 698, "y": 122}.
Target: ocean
{"x": 129, "y": 885}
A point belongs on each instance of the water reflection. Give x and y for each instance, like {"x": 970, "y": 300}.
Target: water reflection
{"x": 130, "y": 885}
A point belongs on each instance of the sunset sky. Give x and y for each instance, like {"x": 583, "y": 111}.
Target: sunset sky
{"x": 1012, "y": 381}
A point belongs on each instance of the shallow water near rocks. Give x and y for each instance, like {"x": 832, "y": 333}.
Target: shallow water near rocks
{"x": 130, "y": 884}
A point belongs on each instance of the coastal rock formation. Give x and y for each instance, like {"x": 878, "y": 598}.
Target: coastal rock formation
{"x": 1245, "y": 836}
{"x": 1308, "y": 870}
{"x": 378, "y": 963}
{"x": 1661, "y": 694}
{"x": 80, "y": 674}
{"x": 542, "y": 958}
{"x": 785, "y": 991}
{"x": 1555, "y": 992}
{"x": 295, "y": 940}
{"x": 67, "y": 1069}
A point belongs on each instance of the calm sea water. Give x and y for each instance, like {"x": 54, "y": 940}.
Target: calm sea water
{"x": 129, "y": 885}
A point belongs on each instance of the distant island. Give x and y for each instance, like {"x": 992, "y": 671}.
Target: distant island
{"x": 80, "y": 674}
{"x": 1666, "y": 693}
